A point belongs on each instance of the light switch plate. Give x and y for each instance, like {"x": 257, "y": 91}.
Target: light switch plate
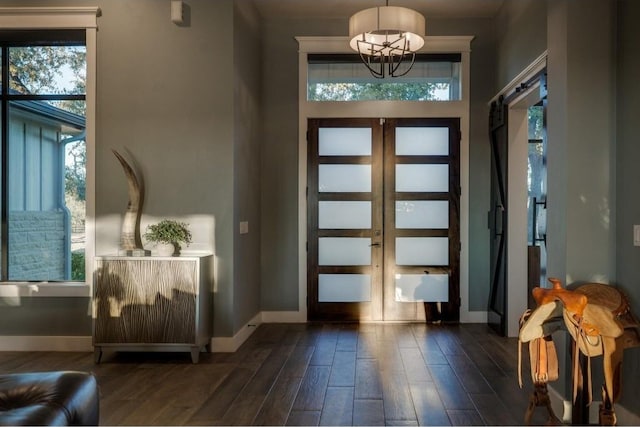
{"x": 244, "y": 227}
{"x": 177, "y": 12}
{"x": 636, "y": 235}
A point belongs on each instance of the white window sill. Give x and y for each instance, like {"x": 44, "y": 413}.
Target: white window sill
{"x": 44, "y": 289}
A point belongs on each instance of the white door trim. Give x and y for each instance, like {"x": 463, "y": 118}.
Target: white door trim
{"x": 387, "y": 109}
{"x": 518, "y": 140}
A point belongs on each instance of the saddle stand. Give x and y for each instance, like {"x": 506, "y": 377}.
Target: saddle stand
{"x": 540, "y": 397}
{"x": 600, "y": 322}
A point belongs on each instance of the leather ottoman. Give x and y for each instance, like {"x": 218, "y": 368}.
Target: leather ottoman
{"x": 49, "y": 398}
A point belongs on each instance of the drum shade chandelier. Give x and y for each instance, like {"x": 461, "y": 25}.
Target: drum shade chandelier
{"x": 387, "y": 37}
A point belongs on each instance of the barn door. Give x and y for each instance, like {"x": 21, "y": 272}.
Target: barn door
{"x": 498, "y": 217}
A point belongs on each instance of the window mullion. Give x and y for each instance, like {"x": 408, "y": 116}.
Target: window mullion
{"x": 4, "y": 197}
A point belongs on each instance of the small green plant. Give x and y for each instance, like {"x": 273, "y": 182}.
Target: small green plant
{"x": 77, "y": 265}
{"x": 169, "y": 231}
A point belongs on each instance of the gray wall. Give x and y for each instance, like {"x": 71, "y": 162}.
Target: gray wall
{"x": 166, "y": 98}
{"x": 247, "y": 141}
{"x": 520, "y": 28}
{"x": 627, "y": 179}
{"x": 581, "y": 137}
{"x": 44, "y": 316}
{"x": 581, "y": 213}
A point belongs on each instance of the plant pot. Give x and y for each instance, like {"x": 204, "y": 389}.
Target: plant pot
{"x": 165, "y": 249}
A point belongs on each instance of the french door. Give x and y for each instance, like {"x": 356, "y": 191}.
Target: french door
{"x": 383, "y": 219}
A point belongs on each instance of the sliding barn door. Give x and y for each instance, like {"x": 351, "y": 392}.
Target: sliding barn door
{"x": 498, "y": 217}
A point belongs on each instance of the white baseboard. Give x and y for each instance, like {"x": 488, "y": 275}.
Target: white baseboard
{"x": 231, "y": 344}
{"x": 46, "y": 343}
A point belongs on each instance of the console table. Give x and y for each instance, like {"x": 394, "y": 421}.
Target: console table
{"x": 152, "y": 304}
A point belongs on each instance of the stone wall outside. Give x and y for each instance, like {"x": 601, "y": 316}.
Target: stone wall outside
{"x": 37, "y": 245}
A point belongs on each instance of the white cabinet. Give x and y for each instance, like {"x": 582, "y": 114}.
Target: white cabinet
{"x": 153, "y": 304}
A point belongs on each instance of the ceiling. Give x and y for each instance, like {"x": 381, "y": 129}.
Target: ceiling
{"x": 270, "y": 9}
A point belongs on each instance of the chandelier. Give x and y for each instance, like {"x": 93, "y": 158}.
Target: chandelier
{"x": 387, "y": 38}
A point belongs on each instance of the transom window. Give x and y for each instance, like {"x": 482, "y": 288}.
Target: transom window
{"x": 343, "y": 77}
{"x": 43, "y": 158}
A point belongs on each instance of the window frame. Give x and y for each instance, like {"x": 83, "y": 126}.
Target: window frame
{"x": 64, "y": 18}
{"x": 355, "y": 60}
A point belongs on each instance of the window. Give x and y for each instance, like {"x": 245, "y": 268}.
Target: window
{"x": 343, "y": 77}
{"x": 43, "y": 158}
{"x": 537, "y": 185}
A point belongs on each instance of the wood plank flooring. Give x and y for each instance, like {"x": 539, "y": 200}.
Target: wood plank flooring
{"x": 312, "y": 374}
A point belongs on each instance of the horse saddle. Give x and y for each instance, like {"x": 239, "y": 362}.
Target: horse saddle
{"x": 598, "y": 318}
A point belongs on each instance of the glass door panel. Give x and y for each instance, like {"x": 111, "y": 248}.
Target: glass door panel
{"x": 422, "y": 251}
{"x": 422, "y": 287}
{"x": 422, "y": 178}
{"x": 344, "y": 215}
{"x": 344, "y": 251}
{"x": 422, "y": 214}
{"x": 537, "y": 199}
{"x": 422, "y": 141}
{"x": 355, "y": 141}
{"x": 344, "y": 288}
{"x": 344, "y": 178}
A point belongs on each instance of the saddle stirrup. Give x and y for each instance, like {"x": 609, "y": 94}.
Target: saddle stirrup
{"x": 606, "y": 414}
{"x": 540, "y": 397}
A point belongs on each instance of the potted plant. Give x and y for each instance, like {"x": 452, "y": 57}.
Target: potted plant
{"x": 168, "y": 234}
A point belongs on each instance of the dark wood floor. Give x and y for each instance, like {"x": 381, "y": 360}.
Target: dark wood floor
{"x": 312, "y": 374}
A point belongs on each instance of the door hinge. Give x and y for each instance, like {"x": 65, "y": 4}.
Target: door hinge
{"x": 307, "y": 136}
{"x": 307, "y": 246}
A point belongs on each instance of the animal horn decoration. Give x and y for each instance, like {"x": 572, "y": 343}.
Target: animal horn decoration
{"x": 131, "y": 240}
{"x": 599, "y": 320}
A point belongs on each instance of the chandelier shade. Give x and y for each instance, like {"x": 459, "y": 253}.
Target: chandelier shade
{"x": 386, "y": 35}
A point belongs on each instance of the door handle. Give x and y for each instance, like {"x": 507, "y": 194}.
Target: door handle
{"x": 498, "y": 219}
{"x": 374, "y": 244}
